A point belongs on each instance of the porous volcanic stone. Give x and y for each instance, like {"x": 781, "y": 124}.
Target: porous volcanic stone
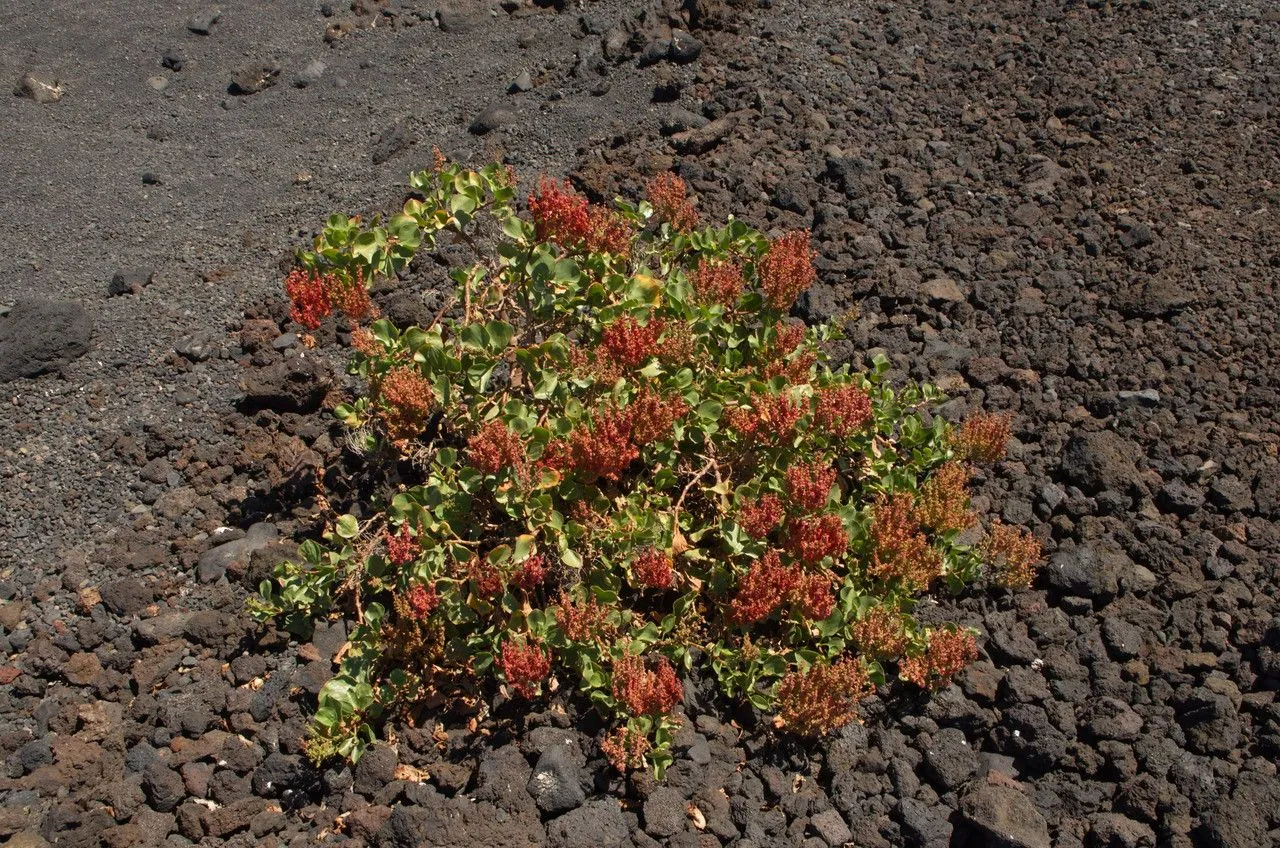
{"x": 39, "y": 336}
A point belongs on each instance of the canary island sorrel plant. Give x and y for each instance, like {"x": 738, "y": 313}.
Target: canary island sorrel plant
{"x": 623, "y": 459}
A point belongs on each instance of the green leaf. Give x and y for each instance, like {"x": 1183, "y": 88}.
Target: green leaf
{"x": 348, "y": 527}
{"x": 500, "y": 334}
{"x": 545, "y": 384}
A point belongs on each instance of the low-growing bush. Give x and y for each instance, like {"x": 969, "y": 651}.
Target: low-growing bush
{"x": 621, "y": 459}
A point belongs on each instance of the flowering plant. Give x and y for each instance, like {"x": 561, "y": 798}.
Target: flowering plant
{"x": 620, "y": 459}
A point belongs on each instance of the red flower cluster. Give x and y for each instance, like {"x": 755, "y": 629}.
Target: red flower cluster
{"x": 943, "y": 503}
{"x": 983, "y": 437}
{"x": 1013, "y": 554}
{"x": 488, "y": 579}
{"x": 409, "y": 397}
{"x": 525, "y": 667}
{"x": 315, "y": 296}
{"x": 653, "y": 568}
{"x": 678, "y": 345}
{"x": 763, "y": 589}
{"x": 771, "y": 418}
{"x": 759, "y": 517}
{"x": 822, "y": 699}
{"x": 948, "y": 652}
{"x": 810, "y": 540}
{"x": 588, "y": 363}
{"x": 718, "y": 282}
{"x": 583, "y": 621}
{"x": 787, "y": 269}
{"x": 496, "y": 446}
{"x": 787, "y": 336}
{"x": 402, "y": 547}
{"x": 809, "y": 485}
{"x": 559, "y": 213}
{"x": 814, "y": 596}
{"x": 624, "y": 748}
{"x": 902, "y": 551}
{"x": 604, "y": 449}
{"x": 880, "y": 634}
{"x": 778, "y": 357}
{"x": 653, "y": 417}
{"x": 643, "y": 690}
{"x": 630, "y": 343}
{"x": 562, "y": 215}
{"x": 841, "y": 410}
{"x": 309, "y": 294}
{"x": 531, "y": 573}
{"x": 366, "y": 343}
{"x": 607, "y": 232}
{"x": 669, "y": 197}
{"x": 352, "y": 298}
{"x": 421, "y": 601}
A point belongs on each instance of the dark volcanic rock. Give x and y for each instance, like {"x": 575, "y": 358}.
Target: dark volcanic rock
{"x": 39, "y": 336}
{"x": 1002, "y": 817}
{"x": 1101, "y": 460}
{"x": 556, "y": 781}
{"x": 132, "y": 280}
{"x": 292, "y": 384}
{"x": 491, "y": 119}
{"x": 1093, "y": 570}
{"x": 125, "y": 597}
{"x": 596, "y": 824}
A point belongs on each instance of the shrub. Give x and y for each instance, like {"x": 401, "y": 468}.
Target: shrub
{"x": 619, "y": 459}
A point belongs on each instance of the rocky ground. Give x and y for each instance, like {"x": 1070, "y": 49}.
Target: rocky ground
{"x": 1060, "y": 209}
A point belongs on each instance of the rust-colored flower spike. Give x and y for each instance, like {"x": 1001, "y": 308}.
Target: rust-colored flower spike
{"x": 402, "y": 547}
{"x": 351, "y": 298}
{"x": 880, "y": 634}
{"x": 786, "y": 270}
{"x": 811, "y": 540}
{"x": 947, "y": 652}
{"x": 809, "y": 485}
{"x": 530, "y": 574}
{"x": 653, "y": 417}
{"x": 771, "y": 418}
{"x": 308, "y": 292}
{"x": 583, "y": 620}
{"x": 625, "y": 749}
{"x": 653, "y": 569}
{"x": 409, "y": 397}
{"x": 668, "y": 195}
{"x": 762, "y": 589}
{"x": 759, "y": 517}
{"x": 943, "y": 503}
{"x": 607, "y": 232}
{"x": 822, "y": 699}
{"x": 629, "y": 343}
{"x": 646, "y": 690}
{"x": 603, "y": 449}
{"x": 983, "y": 437}
{"x": 559, "y": 213}
{"x": 719, "y": 282}
{"x": 901, "y": 551}
{"x": 420, "y": 601}
{"x": 814, "y": 596}
{"x": 524, "y": 667}
{"x": 841, "y": 410}
{"x": 496, "y": 446}
{"x": 1013, "y": 555}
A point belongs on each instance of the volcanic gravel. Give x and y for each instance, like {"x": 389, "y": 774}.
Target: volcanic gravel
{"x": 1065, "y": 210}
